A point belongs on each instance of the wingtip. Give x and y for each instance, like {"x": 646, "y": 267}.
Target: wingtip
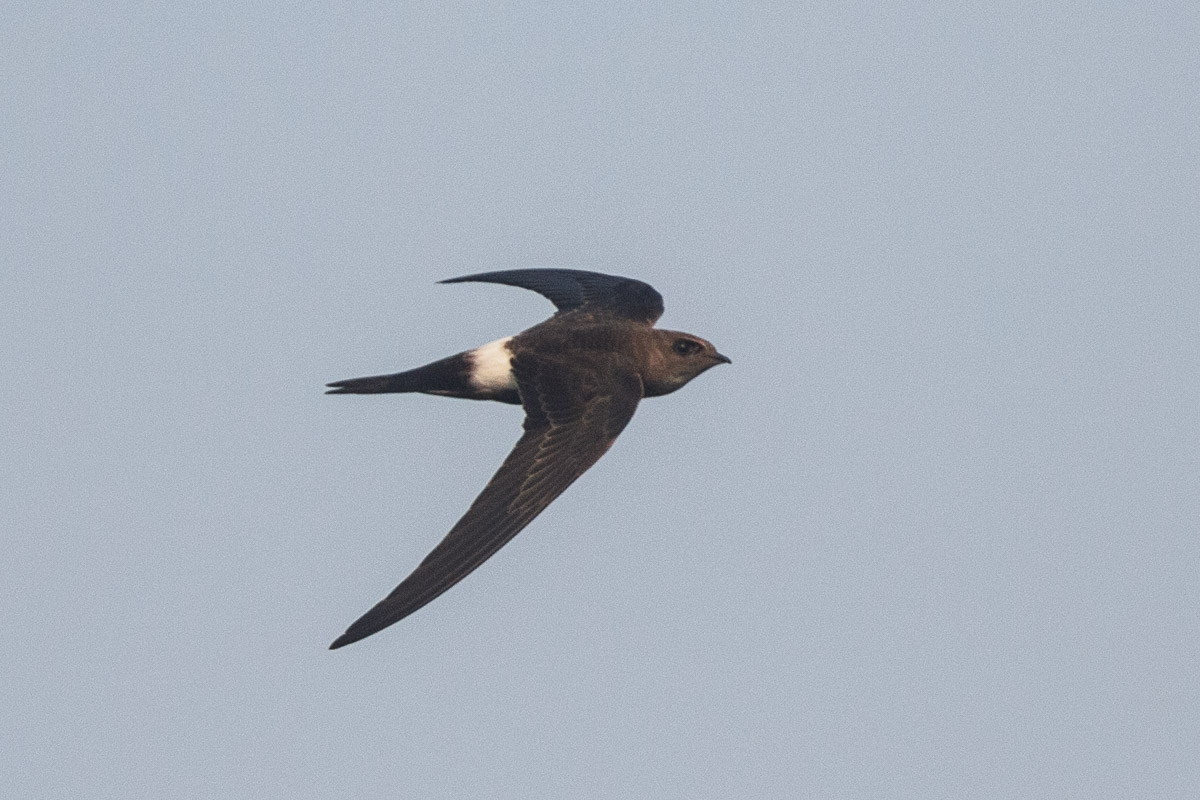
{"x": 353, "y": 634}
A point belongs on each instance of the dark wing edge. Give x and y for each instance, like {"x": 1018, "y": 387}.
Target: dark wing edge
{"x": 571, "y": 289}
{"x": 569, "y": 425}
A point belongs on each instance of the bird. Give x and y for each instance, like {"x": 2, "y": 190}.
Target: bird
{"x": 579, "y": 377}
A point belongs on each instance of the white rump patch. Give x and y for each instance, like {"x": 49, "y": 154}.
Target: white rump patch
{"x": 491, "y": 366}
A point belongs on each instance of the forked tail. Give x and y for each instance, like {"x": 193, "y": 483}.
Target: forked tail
{"x": 449, "y": 377}
{"x": 375, "y": 384}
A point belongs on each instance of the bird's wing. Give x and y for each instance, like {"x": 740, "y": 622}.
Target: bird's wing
{"x": 572, "y": 416}
{"x": 571, "y": 289}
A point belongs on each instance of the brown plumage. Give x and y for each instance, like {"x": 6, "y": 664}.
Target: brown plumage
{"x": 579, "y": 376}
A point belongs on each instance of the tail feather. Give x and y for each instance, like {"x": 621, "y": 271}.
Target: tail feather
{"x": 449, "y": 376}
{"x": 375, "y": 384}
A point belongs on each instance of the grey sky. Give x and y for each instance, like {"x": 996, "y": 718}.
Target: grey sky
{"x": 933, "y": 534}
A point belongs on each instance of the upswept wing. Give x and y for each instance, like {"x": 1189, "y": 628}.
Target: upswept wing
{"x": 572, "y": 416}
{"x": 574, "y": 289}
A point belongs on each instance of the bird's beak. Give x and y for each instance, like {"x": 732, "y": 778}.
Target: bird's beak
{"x": 720, "y": 359}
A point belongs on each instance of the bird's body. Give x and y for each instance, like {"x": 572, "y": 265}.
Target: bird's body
{"x": 579, "y": 376}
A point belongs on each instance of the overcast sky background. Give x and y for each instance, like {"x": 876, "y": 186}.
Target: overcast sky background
{"x": 932, "y": 535}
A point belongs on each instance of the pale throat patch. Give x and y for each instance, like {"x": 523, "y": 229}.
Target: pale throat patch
{"x": 491, "y": 366}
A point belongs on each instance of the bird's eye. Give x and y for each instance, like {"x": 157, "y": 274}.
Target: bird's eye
{"x": 685, "y": 347}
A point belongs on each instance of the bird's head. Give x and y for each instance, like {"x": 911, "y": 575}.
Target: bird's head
{"x": 675, "y": 359}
